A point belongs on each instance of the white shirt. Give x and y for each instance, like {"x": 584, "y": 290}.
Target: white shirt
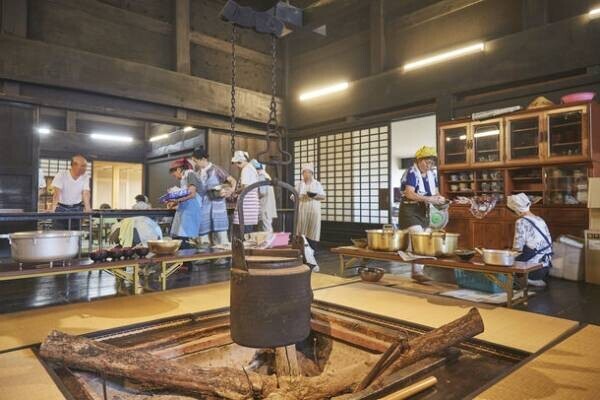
{"x": 527, "y": 235}
{"x": 41, "y": 179}
{"x": 71, "y": 190}
{"x": 248, "y": 175}
{"x": 314, "y": 186}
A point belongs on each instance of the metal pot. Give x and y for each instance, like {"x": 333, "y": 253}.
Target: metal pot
{"x": 43, "y": 246}
{"x": 434, "y": 244}
{"x": 387, "y": 239}
{"x": 503, "y": 258}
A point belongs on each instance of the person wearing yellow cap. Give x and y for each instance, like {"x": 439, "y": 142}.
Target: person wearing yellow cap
{"x": 419, "y": 190}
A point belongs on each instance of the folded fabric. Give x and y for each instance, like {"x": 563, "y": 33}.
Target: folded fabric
{"x": 408, "y": 256}
{"x": 174, "y": 195}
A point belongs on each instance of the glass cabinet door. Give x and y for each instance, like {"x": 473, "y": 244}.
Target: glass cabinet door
{"x": 566, "y": 133}
{"x": 486, "y": 143}
{"x": 566, "y": 185}
{"x": 523, "y": 136}
{"x": 454, "y": 143}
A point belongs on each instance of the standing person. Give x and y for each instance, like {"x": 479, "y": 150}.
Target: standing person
{"x": 311, "y": 194}
{"x": 71, "y": 192}
{"x": 419, "y": 190}
{"x": 532, "y": 238}
{"x": 248, "y": 176}
{"x": 186, "y": 222}
{"x": 266, "y": 196}
{"x": 214, "y": 218}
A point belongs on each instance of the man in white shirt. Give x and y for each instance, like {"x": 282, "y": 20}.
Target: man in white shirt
{"x": 71, "y": 191}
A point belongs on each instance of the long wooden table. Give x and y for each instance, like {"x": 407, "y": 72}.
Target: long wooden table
{"x": 123, "y": 270}
{"x": 518, "y": 273}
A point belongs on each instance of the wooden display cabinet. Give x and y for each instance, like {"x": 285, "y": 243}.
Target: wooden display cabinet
{"x": 547, "y": 154}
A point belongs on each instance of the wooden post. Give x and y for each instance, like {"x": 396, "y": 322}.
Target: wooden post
{"x": 182, "y": 36}
{"x": 377, "y": 36}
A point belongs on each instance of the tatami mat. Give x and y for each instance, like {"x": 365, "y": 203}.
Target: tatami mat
{"x": 29, "y": 327}
{"x": 570, "y": 371}
{"x": 516, "y": 329}
{"x": 22, "y": 377}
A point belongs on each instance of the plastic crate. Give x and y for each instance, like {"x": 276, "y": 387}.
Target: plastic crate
{"x": 478, "y": 281}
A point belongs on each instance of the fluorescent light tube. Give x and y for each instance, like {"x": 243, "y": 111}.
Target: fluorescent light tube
{"x": 111, "y": 138}
{"x": 338, "y": 87}
{"x": 43, "y": 130}
{"x": 595, "y": 12}
{"x": 488, "y": 133}
{"x": 189, "y": 129}
{"x": 461, "y": 137}
{"x": 159, "y": 137}
{"x": 445, "y": 56}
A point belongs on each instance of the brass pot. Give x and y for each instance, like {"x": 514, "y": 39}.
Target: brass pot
{"x": 434, "y": 244}
{"x": 387, "y": 239}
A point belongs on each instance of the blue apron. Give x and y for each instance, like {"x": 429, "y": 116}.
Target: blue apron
{"x": 528, "y": 253}
{"x": 186, "y": 222}
{"x": 214, "y": 212}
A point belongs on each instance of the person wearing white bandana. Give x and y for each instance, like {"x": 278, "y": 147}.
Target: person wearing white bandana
{"x": 419, "y": 190}
{"x": 532, "y": 238}
{"x": 311, "y": 194}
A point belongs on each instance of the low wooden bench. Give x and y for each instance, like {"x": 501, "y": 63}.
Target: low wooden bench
{"x": 518, "y": 273}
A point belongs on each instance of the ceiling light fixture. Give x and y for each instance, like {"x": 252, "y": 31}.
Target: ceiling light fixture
{"x": 159, "y": 137}
{"x": 595, "y": 12}
{"x": 44, "y": 130}
{"x": 445, "y": 56}
{"x": 338, "y": 87}
{"x": 189, "y": 129}
{"x": 111, "y": 138}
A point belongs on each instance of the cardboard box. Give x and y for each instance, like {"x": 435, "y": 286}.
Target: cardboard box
{"x": 567, "y": 262}
{"x": 594, "y": 192}
{"x": 592, "y": 256}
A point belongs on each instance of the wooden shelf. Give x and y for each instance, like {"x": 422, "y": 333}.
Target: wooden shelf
{"x": 525, "y": 147}
{"x": 525, "y": 129}
{"x": 456, "y": 154}
{"x": 565, "y": 125}
{"x": 527, "y": 191}
{"x": 565, "y": 144}
{"x": 487, "y": 151}
{"x": 527, "y": 178}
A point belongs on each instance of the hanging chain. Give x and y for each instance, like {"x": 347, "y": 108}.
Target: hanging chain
{"x": 272, "y": 123}
{"x": 233, "y": 61}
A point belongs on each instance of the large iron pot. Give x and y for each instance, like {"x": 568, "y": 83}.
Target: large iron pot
{"x": 387, "y": 239}
{"x": 43, "y": 246}
{"x": 434, "y": 244}
{"x": 503, "y": 258}
{"x": 271, "y": 292}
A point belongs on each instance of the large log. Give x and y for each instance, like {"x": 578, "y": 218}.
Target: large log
{"x": 139, "y": 366}
{"x": 229, "y": 383}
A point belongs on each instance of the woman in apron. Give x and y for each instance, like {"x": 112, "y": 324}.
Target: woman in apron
{"x": 266, "y": 197}
{"x": 311, "y": 194}
{"x": 214, "y": 219}
{"x": 419, "y": 190}
{"x": 251, "y": 206}
{"x": 186, "y": 222}
{"x": 532, "y": 238}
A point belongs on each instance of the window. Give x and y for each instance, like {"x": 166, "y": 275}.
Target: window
{"x": 352, "y": 166}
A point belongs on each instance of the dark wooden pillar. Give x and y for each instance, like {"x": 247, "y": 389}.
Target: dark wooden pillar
{"x": 182, "y": 36}
{"x": 377, "y": 36}
{"x": 13, "y": 22}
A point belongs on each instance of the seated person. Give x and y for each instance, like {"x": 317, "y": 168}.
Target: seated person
{"x": 532, "y": 238}
{"x": 135, "y": 230}
{"x": 141, "y": 203}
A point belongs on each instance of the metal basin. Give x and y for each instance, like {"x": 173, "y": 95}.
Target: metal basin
{"x": 503, "y": 258}
{"x": 164, "y": 247}
{"x": 434, "y": 244}
{"x": 387, "y": 239}
{"x": 43, "y": 246}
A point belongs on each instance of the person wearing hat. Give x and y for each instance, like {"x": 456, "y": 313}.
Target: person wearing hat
{"x": 532, "y": 238}
{"x": 266, "y": 196}
{"x": 248, "y": 176}
{"x": 311, "y": 193}
{"x": 214, "y": 220}
{"x": 419, "y": 189}
{"x": 186, "y": 222}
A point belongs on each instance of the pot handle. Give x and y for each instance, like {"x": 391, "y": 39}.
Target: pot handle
{"x": 5, "y": 236}
{"x": 388, "y": 227}
{"x": 480, "y": 251}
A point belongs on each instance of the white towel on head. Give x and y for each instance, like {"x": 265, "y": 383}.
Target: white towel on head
{"x": 518, "y": 202}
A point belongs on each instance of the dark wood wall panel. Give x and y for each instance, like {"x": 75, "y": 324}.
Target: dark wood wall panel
{"x": 162, "y": 10}
{"x": 72, "y": 23}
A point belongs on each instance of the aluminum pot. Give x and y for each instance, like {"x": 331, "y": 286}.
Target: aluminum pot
{"x": 387, "y": 239}
{"x": 503, "y": 258}
{"x": 434, "y": 244}
{"x": 43, "y": 246}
